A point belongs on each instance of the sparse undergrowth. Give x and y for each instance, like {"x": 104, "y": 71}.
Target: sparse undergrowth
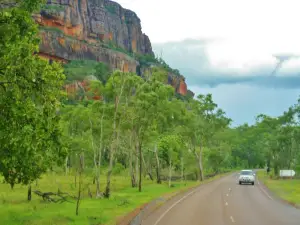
{"x": 15, "y": 209}
{"x": 287, "y": 189}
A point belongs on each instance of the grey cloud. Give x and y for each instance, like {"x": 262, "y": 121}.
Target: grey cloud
{"x": 242, "y": 96}
{"x": 190, "y": 58}
{"x": 242, "y": 102}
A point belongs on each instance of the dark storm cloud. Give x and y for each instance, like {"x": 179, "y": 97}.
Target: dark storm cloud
{"x": 190, "y": 57}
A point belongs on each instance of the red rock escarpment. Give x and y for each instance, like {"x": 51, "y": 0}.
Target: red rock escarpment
{"x": 90, "y": 29}
{"x": 99, "y": 30}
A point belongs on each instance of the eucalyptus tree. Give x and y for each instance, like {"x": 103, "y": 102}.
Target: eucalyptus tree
{"x": 30, "y": 90}
{"x": 206, "y": 119}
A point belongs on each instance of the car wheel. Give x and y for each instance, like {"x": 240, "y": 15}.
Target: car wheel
{"x": 252, "y": 183}
{"x": 240, "y": 182}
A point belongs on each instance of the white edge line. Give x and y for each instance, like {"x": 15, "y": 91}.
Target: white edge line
{"x": 266, "y": 193}
{"x": 172, "y": 206}
{"x": 184, "y": 197}
{"x": 232, "y": 220}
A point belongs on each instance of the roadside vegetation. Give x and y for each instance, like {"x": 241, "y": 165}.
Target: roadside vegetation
{"x": 286, "y": 189}
{"x": 93, "y": 161}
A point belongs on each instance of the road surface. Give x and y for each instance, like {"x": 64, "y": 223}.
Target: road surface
{"x": 224, "y": 202}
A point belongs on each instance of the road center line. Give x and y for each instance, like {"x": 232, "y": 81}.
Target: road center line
{"x": 232, "y": 220}
{"x": 184, "y": 197}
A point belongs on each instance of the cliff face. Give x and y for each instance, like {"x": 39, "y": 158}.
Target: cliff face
{"x": 99, "y": 30}
{"x": 92, "y": 29}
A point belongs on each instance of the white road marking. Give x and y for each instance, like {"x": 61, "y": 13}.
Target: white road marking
{"x": 232, "y": 220}
{"x": 172, "y": 206}
{"x": 226, "y": 203}
{"x": 227, "y": 195}
{"x": 266, "y": 193}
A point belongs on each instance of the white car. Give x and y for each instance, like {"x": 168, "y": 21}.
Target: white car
{"x": 247, "y": 177}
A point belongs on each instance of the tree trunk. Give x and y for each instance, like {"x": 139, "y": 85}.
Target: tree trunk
{"x": 136, "y": 163}
{"x": 98, "y": 191}
{"x": 29, "y": 193}
{"x": 200, "y": 164}
{"x": 170, "y": 173}
{"x": 141, "y": 168}
{"x": 111, "y": 161}
{"x": 133, "y": 182}
{"x": 146, "y": 169}
{"x": 66, "y": 165}
{"x": 83, "y": 159}
{"x": 158, "y": 180}
{"x": 114, "y": 143}
{"x": 182, "y": 175}
{"x": 97, "y": 160}
{"x": 79, "y": 183}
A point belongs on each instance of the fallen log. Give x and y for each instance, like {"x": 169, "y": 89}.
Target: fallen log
{"x": 54, "y": 197}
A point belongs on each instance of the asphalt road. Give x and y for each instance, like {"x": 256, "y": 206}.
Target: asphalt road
{"x": 225, "y": 202}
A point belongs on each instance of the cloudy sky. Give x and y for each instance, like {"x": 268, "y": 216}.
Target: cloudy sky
{"x": 230, "y": 49}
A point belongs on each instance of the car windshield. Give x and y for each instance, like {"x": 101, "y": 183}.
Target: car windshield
{"x": 246, "y": 172}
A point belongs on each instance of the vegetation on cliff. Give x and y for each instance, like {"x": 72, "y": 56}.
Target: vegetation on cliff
{"x": 101, "y": 158}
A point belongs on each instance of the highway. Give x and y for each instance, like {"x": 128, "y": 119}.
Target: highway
{"x": 224, "y": 202}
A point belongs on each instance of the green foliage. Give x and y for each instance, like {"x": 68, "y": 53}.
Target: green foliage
{"x": 118, "y": 169}
{"x": 146, "y": 60}
{"x": 272, "y": 142}
{"x": 80, "y": 69}
{"x": 111, "y": 9}
{"x": 30, "y": 90}
{"x": 52, "y": 29}
{"x": 30, "y": 5}
{"x": 50, "y": 8}
{"x": 102, "y": 72}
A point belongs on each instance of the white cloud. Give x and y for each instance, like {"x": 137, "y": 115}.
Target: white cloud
{"x": 237, "y": 63}
{"x": 251, "y": 30}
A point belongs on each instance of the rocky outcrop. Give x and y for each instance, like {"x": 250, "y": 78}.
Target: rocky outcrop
{"x": 99, "y": 30}
{"x": 78, "y": 89}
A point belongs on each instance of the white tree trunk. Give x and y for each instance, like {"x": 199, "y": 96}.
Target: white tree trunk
{"x": 170, "y": 173}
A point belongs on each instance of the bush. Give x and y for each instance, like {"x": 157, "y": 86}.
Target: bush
{"x": 118, "y": 168}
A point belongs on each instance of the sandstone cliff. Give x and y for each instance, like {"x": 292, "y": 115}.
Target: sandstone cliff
{"x": 99, "y": 30}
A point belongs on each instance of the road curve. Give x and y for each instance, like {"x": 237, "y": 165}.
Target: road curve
{"x": 224, "y": 202}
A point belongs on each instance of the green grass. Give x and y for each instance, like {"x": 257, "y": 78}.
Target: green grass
{"x": 15, "y": 209}
{"x": 287, "y": 189}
